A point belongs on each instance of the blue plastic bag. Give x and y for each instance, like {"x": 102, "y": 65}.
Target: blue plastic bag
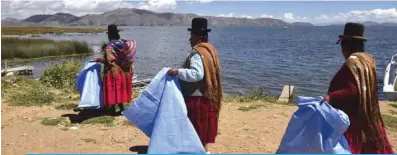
{"x": 89, "y": 85}
{"x": 316, "y": 127}
{"x": 160, "y": 112}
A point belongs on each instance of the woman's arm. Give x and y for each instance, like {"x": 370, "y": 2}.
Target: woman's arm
{"x": 195, "y": 72}
{"x": 347, "y": 94}
{"x": 110, "y": 59}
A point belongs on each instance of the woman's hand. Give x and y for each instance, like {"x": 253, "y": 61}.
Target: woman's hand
{"x": 173, "y": 72}
{"x": 98, "y": 59}
{"x": 326, "y": 99}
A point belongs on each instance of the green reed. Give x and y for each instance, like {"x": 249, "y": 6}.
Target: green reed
{"x": 27, "y": 48}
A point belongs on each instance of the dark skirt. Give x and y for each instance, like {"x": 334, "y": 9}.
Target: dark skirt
{"x": 117, "y": 88}
{"x": 203, "y": 117}
{"x": 358, "y": 148}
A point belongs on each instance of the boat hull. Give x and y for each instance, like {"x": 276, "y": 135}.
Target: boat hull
{"x": 389, "y": 80}
{"x": 391, "y": 96}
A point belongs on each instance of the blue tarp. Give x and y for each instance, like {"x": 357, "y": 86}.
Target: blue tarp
{"x": 160, "y": 112}
{"x": 315, "y": 128}
{"x": 89, "y": 85}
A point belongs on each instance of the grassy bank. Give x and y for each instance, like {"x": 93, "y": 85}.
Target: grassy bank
{"x": 55, "y": 87}
{"x": 47, "y": 30}
{"x": 25, "y": 48}
{"x": 255, "y": 99}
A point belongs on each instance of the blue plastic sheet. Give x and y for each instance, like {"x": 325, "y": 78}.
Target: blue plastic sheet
{"x": 160, "y": 112}
{"x": 89, "y": 85}
{"x": 315, "y": 128}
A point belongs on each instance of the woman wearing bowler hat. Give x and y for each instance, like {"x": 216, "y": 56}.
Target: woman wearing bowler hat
{"x": 354, "y": 90}
{"x": 118, "y": 61}
{"x": 200, "y": 77}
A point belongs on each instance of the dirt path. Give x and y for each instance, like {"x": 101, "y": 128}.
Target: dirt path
{"x": 255, "y": 131}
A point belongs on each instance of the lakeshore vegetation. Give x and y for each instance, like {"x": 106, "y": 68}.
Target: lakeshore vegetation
{"x": 27, "y": 48}
{"x": 47, "y": 30}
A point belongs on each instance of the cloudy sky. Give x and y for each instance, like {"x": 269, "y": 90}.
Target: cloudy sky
{"x": 319, "y": 13}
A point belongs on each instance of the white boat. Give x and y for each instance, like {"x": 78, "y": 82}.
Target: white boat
{"x": 285, "y": 27}
{"x": 134, "y": 78}
{"x": 390, "y": 80}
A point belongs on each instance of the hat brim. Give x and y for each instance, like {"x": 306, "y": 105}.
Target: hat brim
{"x": 207, "y": 30}
{"x": 350, "y": 37}
{"x": 117, "y": 31}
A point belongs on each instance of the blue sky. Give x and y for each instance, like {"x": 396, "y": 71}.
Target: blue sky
{"x": 323, "y": 12}
{"x": 258, "y": 8}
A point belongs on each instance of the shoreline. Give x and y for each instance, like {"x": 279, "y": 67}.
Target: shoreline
{"x": 19, "y": 60}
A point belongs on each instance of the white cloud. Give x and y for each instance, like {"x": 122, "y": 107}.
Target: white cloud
{"x": 23, "y": 9}
{"x": 246, "y": 16}
{"x": 233, "y": 15}
{"x": 289, "y": 16}
{"x": 267, "y": 16}
{"x": 377, "y": 15}
{"x": 201, "y": 1}
{"x": 160, "y": 5}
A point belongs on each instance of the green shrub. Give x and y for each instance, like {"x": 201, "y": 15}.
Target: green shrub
{"x": 61, "y": 76}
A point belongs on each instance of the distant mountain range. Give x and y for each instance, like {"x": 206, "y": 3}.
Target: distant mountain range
{"x": 369, "y": 23}
{"x": 138, "y": 17}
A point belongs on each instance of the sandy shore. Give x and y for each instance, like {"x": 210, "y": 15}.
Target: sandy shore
{"x": 255, "y": 131}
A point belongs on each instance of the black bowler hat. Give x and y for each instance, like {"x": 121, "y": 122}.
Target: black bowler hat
{"x": 199, "y": 26}
{"x": 353, "y": 31}
{"x": 112, "y": 28}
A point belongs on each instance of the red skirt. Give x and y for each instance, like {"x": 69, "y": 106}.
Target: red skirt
{"x": 203, "y": 117}
{"x": 357, "y": 148}
{"x": 117, "y": 88}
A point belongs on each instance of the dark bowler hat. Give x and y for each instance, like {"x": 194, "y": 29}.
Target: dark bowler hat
{"x": 199, "y": 25}
{"x": 112, "y": 28}
{"x": 353, "y": 31}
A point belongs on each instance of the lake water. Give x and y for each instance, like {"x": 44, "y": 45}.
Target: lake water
{"x": 268, "y": 57}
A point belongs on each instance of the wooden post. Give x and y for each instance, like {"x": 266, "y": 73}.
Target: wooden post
{"x": 286, "y": 94}
{"x": 289, "y": 93}
{"x": 5, "y": 65}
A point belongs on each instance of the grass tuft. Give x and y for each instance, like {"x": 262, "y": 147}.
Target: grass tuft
{"x": 256, "y": 94}
{"x": 128, "y": 123}
{"x": 105, "y": 120}
{"x": 394, "y": 105}
{"x": 56, "y": 121}
{"x": 89, "y": 140}
{"x": 390, "y": 121}
{"x": 66, "y": 106}
{"x": 251, "y": 107}
{"x": 393, "y": 112}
